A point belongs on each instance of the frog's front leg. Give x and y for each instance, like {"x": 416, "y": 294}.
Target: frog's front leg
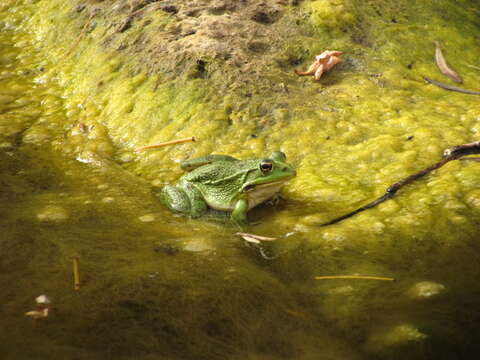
{"x": 239, "y": 213}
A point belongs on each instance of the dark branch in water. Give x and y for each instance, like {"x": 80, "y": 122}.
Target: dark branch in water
{"x": 454, "y": 153}
{"x": 462, "y": 150}
{"x": 450, "y": 87}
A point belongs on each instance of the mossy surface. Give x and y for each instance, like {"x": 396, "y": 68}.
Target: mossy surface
{"x": 82, "y": 84}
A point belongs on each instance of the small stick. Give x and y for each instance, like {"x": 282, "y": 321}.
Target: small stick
{"x": 145, "y": 8}
{"x": 76, "y": 274}
{"x": 455, "y": 153}
{"x": 80, "y": 36}
{"x": 354, "y": 277}
{"x": 166, "y": 143}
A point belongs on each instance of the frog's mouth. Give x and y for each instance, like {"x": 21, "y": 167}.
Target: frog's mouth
{"x": 258, "y": 193}
{"x": 265, "y": 183}
{"x": 255, "y": 187}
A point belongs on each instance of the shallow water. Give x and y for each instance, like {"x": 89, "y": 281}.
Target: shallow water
{"x": 155, "y": 285}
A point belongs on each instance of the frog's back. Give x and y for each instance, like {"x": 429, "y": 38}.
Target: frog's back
{"x": 220, "y": 182}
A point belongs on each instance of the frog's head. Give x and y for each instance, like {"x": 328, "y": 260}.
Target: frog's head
{"x": 267, "y": 179}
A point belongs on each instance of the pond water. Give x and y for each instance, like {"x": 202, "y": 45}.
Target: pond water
{"x": 159, "y": 286}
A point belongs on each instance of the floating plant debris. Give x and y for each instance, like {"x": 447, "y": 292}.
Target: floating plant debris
{"x": 255, "y": 239}
{"x": 42, "y": 308}
{"x": 443, "y": 66}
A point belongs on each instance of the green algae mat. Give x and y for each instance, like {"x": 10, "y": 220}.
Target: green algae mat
{"x": 84, "y": 84}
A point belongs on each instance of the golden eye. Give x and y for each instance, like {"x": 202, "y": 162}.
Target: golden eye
{"x": 266, "y": 166}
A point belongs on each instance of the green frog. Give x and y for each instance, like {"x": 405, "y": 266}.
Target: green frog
{"x": 224, "y": 183}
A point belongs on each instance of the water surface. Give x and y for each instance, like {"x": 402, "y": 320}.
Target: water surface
{"x": 159, "y": 286}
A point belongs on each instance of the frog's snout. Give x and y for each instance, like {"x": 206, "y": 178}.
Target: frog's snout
{"x": 289, "y": 171}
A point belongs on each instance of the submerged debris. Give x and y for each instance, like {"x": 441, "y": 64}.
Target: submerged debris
{"x": 43, "y": 300}
{"x": 254, "y": 239}
{"x": 257, "y": 242}
{"x": 147, "y": 218}
{"x": 426, "y": 289}
{"x": 42, "y": 308}
{"x": 399, "y": 335}
{"x": 52, "y": 213}
{"x": 38, "y": 314}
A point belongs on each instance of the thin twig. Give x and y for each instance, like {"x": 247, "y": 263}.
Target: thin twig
{"x": 354, "y": 277}
{"x": 450, "y": 87}
{"x": 455, "y": 153}
{"x": 152, "y": 5}
{"x": 80, "y": 36}
{"x": 166, "y": 143}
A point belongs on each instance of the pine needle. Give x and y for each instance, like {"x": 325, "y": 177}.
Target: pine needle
{"x": 166, "y": 143}
{"x": 354, "y": 277}
{"x": 76, "y": 274}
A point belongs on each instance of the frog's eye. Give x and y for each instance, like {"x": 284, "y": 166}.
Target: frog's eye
{"x": 266, "y": 166}
{"x": 279, "y": 156}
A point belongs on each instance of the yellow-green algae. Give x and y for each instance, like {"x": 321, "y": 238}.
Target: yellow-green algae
{"x": 177, "y": 288}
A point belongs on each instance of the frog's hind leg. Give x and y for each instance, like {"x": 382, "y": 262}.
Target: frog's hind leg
{"x": 185, "y": 199}
{"x": 175, "y": 199}
{"x": 198, "y": 206}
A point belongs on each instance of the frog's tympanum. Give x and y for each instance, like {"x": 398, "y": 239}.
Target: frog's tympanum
{"x": 224, "y": 183}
